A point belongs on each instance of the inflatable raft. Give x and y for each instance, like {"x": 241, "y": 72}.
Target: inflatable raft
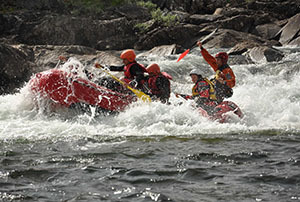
{"x": 225, "y": 111}
{"x": 67, "y": 90}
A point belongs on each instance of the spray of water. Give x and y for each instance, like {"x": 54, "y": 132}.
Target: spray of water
{"x": 268, "y": 95}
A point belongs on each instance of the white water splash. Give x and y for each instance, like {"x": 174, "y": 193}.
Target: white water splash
{"x": 268, "y": 94}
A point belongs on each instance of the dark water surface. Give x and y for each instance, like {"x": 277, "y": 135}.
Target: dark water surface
{"x": 253, "y": 166}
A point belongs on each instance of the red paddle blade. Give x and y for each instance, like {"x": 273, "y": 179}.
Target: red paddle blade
{"x": 183, "y": 54}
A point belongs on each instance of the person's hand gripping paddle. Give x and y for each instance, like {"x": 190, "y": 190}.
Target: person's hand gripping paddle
{"x": 138, "y": 93}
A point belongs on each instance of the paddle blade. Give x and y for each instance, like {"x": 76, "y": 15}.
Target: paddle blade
{"x": 141, "y": 95}
{"x": 183, "y": 54}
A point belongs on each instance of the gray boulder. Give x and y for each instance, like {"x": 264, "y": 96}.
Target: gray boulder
{"x": 242, "y": 23}
{"x": 199, "y": 19}
{"x": 15, "y": 67}
{"x": 226, "y": 38}
{"x": 66, "y": 30}
{"x": 164, "y": 50}
{"x": 264, "y": 54}
{"x": 180, "y": 34}
{"x": 267, "y": 31}
{"x": 46, "y": 56}
{"x": 290, "y": 31}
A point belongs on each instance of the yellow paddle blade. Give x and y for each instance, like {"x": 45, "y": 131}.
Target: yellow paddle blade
{"x": 140, "y": 94}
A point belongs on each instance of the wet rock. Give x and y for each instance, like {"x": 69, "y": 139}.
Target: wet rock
{"x": 296, "y": 41}
{"x": 67, "y": 30}
{"x": 53, "y": 5}
{"x": 232, "y": 11}
{"x": 80, "y": 50}
{"x": 15, "y": 67}
{"x": 267, "y": 31}
{"x": 164, "y": 50}
{"x": 242, "y": 47}
{"x": 239, "y": 60}
{"x": 9, "y": 24}
{"x": 290, "y": 31}
{"x": 280, "y": 9}
{"x": 46, "y": 56}
{"x": 241, "y": 23}
{"x": 226, "y": 38}
{"x": 181, "y": 16}
{"x": 265, "y": 54}
{"x": 181, "y": 35}
{"x": 199, "y": 19}
{"x": 133, "y": 12}
{"x": 108, "y": 58}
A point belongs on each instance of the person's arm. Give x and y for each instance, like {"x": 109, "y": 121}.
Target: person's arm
{"x": 208, "y": 57}
{"x": 137, "y": 72}
{"x": 116, "y": 68}
{"x": 185, "y": 96}
{"x": 211, "y": 60}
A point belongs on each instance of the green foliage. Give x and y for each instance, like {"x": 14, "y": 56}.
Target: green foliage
{"x": 167, "y": 20}
{"x": 148, "y": 4}
{"x": 157, "y": 15}
{"x": 5, "y": 9}
{"x": 142, "y": 27}
{"x": 97, "y": 6}
{"x": 249, "y": 1}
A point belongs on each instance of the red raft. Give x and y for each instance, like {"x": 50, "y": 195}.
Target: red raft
{"x": 224, "y": 112}
{"x": 67, "y": 90}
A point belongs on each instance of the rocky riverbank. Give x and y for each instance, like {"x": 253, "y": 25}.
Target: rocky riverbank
{"x": 34, "y": 33}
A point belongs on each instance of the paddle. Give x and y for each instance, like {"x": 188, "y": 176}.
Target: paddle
{"x": 139, "y": 94}
{"x": 194, "y": 45}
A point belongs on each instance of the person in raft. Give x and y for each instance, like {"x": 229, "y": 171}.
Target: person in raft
{"x": 133, "y": 71}
{"x": 224, "y": 79}
{"x": 158, "y": 84}
{"x": 203, "y": 92}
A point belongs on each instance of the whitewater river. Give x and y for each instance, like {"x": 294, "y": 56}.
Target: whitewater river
{"x": 155, "y": 152}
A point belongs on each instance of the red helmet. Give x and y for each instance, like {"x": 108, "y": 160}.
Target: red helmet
{"x": 128, "y": 54}
{"x": 223, "y": 56}
{"x": 153, "y": 68}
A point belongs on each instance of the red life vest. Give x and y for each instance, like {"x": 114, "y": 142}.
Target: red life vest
{"x": 152, "y": 83}
{"x": 205, "y": 93}
{"x": 127, "y": 74}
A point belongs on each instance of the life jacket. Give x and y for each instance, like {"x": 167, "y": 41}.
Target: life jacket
{"x": 212, "y": 92}
{"x": 227, "y": 75}
{"x": 220, "y": 70}
{"x": 152, "y": 82}
{"x": 222, "y": 90}
{"x": 127, "y": 74}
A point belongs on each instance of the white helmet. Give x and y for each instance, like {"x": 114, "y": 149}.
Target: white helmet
{"x": 196, "y": 72}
